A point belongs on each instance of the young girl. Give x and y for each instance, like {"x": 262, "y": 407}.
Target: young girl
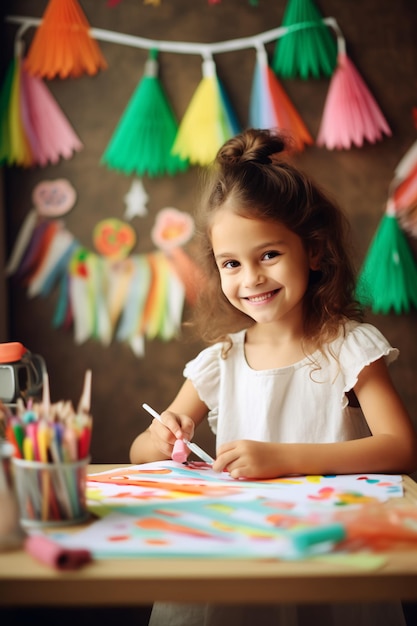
{"x": 293, "y": 381}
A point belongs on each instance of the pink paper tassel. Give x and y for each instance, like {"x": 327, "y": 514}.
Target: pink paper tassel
{"x": 50, "y": 134}
{"x": 351, "y": 114}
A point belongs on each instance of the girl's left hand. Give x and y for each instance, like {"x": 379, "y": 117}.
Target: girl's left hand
{"x": 249, "y": 459}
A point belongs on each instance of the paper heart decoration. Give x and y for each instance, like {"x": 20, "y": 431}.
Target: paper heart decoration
{"x": 53, "y": 198}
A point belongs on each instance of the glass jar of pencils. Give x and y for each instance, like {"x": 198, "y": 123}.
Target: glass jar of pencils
{"x": 51, "y": 494}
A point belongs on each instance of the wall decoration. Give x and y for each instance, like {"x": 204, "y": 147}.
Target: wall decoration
{"x": 143, "y": 138}
{"x": 404, "y": 190}
{"x": 304, "y": 51}
{"x": 270, "y": 107}
{"x": 50, "y": 199}
{"x": 34, "y": 129}
{"x": 351, "y": 114}
{"x": 388, "y": 277}
{"x": 136, "y": 200}
{"x": 113, "y": 238}
{"x": 54, "y": 198}
{"x": 63, "y": 45}
{"x": 208, "y": 121}
{"x": 203, "y": 129}
{"x": 112, "y": 294}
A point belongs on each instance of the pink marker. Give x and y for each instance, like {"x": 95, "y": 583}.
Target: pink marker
{"x": 180, "y": 451}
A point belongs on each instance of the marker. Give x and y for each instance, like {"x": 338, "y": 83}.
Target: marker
{"x": 192, "y": 446}
{"x": 307, "y": 539}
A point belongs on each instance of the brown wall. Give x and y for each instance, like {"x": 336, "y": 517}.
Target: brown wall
{"x": 380, "y": 38}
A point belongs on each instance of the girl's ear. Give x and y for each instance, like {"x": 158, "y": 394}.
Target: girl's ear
{"x": 315, "y": 259}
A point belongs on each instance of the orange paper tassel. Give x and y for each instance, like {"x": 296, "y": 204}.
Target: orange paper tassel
{"x": 62, "y": 45}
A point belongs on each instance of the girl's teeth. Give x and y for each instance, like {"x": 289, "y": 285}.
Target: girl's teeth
{"x": 260, "y": 298}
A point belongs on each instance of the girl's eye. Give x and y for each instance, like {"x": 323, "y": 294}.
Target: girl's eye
{"x": 230, "y": 264}
{"x": 271, "y": 254}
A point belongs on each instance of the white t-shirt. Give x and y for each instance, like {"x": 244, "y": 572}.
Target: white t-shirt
{"x": 295, "y": 404}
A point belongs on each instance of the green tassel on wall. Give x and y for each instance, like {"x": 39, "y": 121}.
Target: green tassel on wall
{"x": 143, "y": 138}
{"x": 306, "y": 51}
{"x": 388, "y": 277}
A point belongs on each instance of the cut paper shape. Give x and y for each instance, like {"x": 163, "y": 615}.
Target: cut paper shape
{"x": 208, "y": 121}
{"x": 351, "y": 115}
{"x": 143, "y": 138}
{"x": 62, "y": 45}
{"x": 34, "y": 129}
{"x": 270, "y": 107}
{"x": 136, "y": 200}
{"x": 388, "y": 277}
{"x": 308, "y": 47}
{"x": 172, "y": 228}
{"x": 114, "y": 238}
{"x": 54, "y": 198}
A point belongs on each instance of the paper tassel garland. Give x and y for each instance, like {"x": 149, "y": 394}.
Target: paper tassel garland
{"x": 208, "y": 121}
{"x": 305, "y": 46}
{"x": 270, "y": 107}
{"x": 388, "y": 278}
{"x": 304, "y": 51}
{"x": 34, "y": 129}
{"x": 145, "y": 134}
{"x": 62, "y": 45}
{"x": 351, "y": 114}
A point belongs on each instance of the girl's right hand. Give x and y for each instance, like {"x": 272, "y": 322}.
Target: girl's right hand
{"x": 168, "y": 429}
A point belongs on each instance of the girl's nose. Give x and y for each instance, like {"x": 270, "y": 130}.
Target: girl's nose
{"x": 253, "y": 276}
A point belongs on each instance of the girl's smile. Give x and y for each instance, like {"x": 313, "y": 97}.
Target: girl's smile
{"x": 264, "y": 268}
{"x": 262, "y": 298}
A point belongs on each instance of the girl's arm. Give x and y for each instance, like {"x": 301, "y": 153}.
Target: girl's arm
{"x": 179, "y": 420}
{"x": 392, "y": 448}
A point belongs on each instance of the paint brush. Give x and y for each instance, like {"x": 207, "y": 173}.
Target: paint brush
{"x": 192, "y": 446}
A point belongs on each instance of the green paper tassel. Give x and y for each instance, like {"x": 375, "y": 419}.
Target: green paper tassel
{"x": 388, "y": 278}
{"x": 5, "y": 96}
{"x": 143, "y": 138}
{"x": 308, "y": 50}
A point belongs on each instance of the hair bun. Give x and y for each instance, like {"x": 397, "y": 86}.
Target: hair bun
{"x": 256, "y": 146}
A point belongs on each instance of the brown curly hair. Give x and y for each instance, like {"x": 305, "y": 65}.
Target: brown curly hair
{"x": 253, "y": 171}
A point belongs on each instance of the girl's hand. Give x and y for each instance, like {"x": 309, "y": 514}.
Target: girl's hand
{"x": 171, "y": 427}
{"x": 250, "y": 459}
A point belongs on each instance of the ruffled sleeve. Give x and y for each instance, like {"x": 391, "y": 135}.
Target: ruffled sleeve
{"x": 204, "y": 373}
{"x": 363, "y": 344}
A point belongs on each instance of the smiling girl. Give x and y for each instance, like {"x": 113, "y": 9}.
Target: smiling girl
{"x": 293, "y": 381}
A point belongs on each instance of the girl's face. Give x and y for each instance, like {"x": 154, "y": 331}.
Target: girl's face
{"x": 264, "y": 267}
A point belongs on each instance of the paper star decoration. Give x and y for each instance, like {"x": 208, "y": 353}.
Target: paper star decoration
{"x": 136, "y": 200}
